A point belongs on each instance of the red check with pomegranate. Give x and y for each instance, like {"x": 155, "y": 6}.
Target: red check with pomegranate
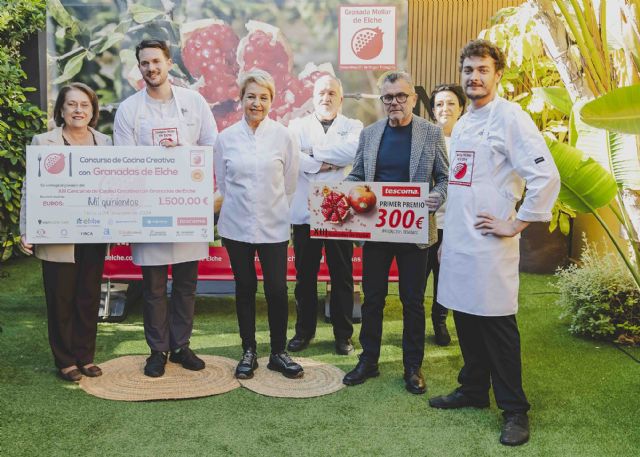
{"x": 370, "y": 211}
{"x": 103, "y": 194}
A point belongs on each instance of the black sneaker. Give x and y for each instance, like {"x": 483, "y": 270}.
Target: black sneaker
{"x": 155, "y": 364}
{"x": 298, "y": 343}
{"x": 441, "y": 333}
{"x": 344, "y": 346}
{"x": 247, "y": 364}
{"x": 283, "y": 363}
{"x": 187, "y": 358}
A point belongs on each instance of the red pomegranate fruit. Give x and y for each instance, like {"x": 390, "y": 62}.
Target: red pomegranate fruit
{"x": 362, "y": 199}
{"x": 334, "y": 206}
{"x": 366, "y": 43}
{"x": 460, "y": 170}
{"x": 209, "y": 52}
{"x": 54, "y": 163}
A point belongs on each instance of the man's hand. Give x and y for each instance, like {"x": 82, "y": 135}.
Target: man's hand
{"x": 24, "y": 246}
{"x": 327, "y": 167}
{"x": 434, "y": 200}
{"x": 440, "y": 254}
{"x": 491, "y": 225}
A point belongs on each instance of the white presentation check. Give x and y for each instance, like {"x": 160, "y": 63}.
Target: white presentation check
{"x": 104, "y": 194}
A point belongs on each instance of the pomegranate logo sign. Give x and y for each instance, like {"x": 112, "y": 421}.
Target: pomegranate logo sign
{"x": 54, "y": 163}
{"x": 367, "y": 37}
{"x": 367, "y": 43}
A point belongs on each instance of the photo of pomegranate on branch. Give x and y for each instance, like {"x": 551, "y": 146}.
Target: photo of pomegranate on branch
{"x": 212, "y": 42}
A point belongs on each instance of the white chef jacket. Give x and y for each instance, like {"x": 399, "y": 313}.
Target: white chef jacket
{"x": 494, "y": 150}
{"x": 337, "y": 146}
{"x": 188, "y": 116}
{"x": 256, "y": 173}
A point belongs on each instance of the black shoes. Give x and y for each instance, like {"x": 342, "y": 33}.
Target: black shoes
{"x": 187, "y": 358}
{"x": 344, "y": 346}
{"x": 363, "y": 371}
{"x": 515, "y": 430}
{"x": 454, "y": 400}
{"x": 414, "y": 381}
{"x": 155, "y": 364}
{"x": 72, "y": 375}
{"x": 298, "y": 343}
{"x": 441, "y": 333}
{"x": 247, "y": 365}
{"x": 283, "y": 363}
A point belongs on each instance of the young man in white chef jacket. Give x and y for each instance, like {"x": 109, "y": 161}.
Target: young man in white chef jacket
{"x": 328, "y": 144}
{"x": 166, "y": 115}
{"x": 496, "y": 151}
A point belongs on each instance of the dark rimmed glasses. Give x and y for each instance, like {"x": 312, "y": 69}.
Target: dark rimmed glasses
{"x": 401, "y": 97}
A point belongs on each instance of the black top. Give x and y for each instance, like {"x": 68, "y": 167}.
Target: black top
{"x": 394, "y": 154}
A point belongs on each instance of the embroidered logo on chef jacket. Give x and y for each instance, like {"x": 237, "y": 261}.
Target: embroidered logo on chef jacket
{"x": 163, "y": 136}
{"x": 462, "y": 168}
{"x": 343, "y": 133}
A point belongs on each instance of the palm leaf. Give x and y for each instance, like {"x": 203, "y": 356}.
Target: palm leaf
{"x": 586, "y": 185}
{"x": 558, "y": 97}
{"x": 618, "y": 111}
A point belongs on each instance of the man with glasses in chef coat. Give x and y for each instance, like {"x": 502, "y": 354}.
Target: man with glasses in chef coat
{"x": 166, "y": 115}
{"x": 495, "y": 150}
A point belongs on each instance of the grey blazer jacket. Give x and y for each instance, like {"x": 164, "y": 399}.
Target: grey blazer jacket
{"x": 428, "y": 161}
{"x": 53, "y": 252}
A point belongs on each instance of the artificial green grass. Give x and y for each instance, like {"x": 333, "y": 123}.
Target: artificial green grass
{"x": 584, "y": 394}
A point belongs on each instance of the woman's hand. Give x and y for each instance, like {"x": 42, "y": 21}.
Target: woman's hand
{"x": 24, "y": 246}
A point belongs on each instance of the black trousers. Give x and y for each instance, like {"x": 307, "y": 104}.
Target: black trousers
{"x": 438, "y": 312}
{"x": 273, "y": 259}
{"x": 491, "y": 352}
{"x": 412, "y": 266}
{"x": 72, "y": 293}
{"x": 308, "y": 253}
{"x": 168, "y": 323}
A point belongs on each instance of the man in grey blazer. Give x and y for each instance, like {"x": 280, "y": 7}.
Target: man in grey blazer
{"x": 402, "y": 147}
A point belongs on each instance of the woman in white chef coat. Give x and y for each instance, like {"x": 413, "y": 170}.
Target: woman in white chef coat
{"x": 447, "y": 103}
{"x": 71, "y": 273}
{"x": 256, "y": 166}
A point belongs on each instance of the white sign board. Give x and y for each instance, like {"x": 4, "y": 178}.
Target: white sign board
{"x": 372, "y": 211}
{"x": 105, "y": 194}
{"x": 367, "y": 37}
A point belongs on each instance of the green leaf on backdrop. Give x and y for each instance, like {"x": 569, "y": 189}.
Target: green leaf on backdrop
{"x": 616, "y": 152}
{"x": 111, "y": 40}
{"x": 143, "y": 14}
{"x": 618, "y": 110}
{"x": 60, "y": 14}
{"x": 71, "y": 68}
{"x": 558, "y": 97}
{"x": 586, "y": 185}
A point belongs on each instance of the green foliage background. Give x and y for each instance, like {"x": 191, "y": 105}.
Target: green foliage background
{"x": 19, "y": 119}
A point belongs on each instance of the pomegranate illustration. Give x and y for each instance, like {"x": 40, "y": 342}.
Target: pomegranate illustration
{"x": 54, "y": 163}
{"x": 366, "y": 43}
{"x": 362, "y": 199}
{"x": 210, "y": 52}
{"x": 460, "y": 170}
{"x": 334, "y": 206}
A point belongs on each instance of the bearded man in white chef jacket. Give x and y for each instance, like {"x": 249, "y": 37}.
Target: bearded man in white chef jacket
{"x": 328, "y": 144}
{"x": 166, "y": 115}
{"x": 496, "y": 150}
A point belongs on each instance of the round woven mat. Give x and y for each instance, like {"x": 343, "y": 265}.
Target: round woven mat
{"x": 123, "y": 379}
{"x": 319, "y": 379}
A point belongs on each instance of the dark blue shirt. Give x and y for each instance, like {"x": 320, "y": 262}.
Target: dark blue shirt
{"x": 394, "y": 154}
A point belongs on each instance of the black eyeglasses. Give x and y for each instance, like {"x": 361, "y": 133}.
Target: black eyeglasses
{"x": 401, "y": 97}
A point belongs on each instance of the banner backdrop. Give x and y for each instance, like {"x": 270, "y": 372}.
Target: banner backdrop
{"x": 212, "y": 41}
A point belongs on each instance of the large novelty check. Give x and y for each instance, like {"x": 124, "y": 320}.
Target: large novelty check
{"x": 374, "y": 211}
{"x": 105, "y": 194}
